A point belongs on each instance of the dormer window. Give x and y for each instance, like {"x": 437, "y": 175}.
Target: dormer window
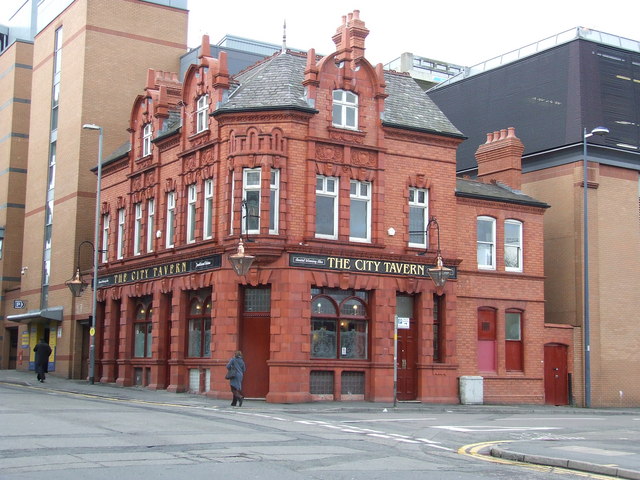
{"x": 146, "y": 140}
{"x": 345, "y": 109}
{"x": 201, "y": 114}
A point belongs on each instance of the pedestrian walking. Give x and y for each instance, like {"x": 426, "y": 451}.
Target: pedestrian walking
{"x": 43, "y": 351}
{"x": 235, "y": 373}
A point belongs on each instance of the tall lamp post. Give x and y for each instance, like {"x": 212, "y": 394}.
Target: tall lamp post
{"x": 439, "y": 274}
{"x": 96, "y": 233}
{"x": 585, "y": 268}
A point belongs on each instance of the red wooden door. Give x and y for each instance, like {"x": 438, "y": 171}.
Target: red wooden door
{"x": 255, "y": 350}
{"x": 556, "y": 386}
{"x": 407, "y": 358}
{"x": 487, "y": 357}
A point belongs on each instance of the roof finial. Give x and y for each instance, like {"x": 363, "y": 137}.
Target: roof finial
{"x": 284, "y": 36}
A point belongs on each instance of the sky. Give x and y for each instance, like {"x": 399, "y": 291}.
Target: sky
{"x": 462, "y": 32}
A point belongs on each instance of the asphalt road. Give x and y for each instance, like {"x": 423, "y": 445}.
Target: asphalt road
{"x": 70, "y": 430}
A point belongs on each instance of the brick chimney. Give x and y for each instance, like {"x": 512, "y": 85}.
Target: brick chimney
{"x": 500, "y": 158}
{"x": 349, "y": 37}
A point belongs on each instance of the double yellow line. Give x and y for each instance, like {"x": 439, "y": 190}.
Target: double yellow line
{"x": 474, "y": 450}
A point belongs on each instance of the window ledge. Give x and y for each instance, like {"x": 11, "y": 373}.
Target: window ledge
{"x": 346, "y": 134}
{"x": 199, "y": 135}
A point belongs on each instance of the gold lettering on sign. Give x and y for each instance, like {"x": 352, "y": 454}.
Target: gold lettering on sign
{"x": 339, "y": 263}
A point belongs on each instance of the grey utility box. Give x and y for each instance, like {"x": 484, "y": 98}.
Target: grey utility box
{"x": 471, "y": 391}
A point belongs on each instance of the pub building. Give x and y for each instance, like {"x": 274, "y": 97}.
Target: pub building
{"x": 297, "y": 212}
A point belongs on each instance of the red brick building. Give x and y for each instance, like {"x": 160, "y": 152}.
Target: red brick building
{"x": 329, "y": 169}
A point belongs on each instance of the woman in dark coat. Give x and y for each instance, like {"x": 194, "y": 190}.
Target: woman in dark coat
{"x": 235, "y": 373}
{"x": 43, "y": 350}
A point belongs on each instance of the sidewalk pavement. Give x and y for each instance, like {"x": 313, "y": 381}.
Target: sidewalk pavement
{"x": 625, "y": 454}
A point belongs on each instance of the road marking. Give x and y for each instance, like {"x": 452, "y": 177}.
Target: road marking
{"x": 487, "y": 428}
{"x": 473, "y": 451}
{"x": 552, "y": 419}
{"x": 388, "y": 420}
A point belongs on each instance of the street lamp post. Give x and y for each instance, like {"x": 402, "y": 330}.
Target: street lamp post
{"x": 585, "y": 268}
{"x": 96, "y": 233}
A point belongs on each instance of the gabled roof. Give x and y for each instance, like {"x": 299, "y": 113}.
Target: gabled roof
{"x": 494, "y": 191}
{"x": 276, "y": 83}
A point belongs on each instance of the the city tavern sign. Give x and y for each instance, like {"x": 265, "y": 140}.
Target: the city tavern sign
{"x": 163, "y": 270}
{"x": 362, "y": 265}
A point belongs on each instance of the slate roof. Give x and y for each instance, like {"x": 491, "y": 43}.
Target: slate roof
{"x": 119, "y": 152}
{"x": 408, "y": 106}
{"x": 276, "y": 83}
{"x": 171, "y": 125}
{"x": 497, "y": 192}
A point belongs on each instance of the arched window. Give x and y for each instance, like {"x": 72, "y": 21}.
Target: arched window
{"x": 200, "y": 324}
{"x": 143, "y": 328}
{"x": 339, "y": 324}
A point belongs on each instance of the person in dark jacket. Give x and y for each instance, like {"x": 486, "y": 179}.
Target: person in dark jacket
{"x": 43, "y": 351}
{"x": 235, "y": 373}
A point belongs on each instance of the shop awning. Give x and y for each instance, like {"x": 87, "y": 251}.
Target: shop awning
{"x": 44, "y": 315}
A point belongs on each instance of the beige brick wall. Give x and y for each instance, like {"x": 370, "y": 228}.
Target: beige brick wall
{"x": 107, "y": 47}
{"x": 614, "y": 243}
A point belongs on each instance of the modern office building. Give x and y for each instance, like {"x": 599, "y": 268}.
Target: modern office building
{"x": 85, "y": 59}
{"x": 338, "y": 180}
{"x": 554, "y": 92}
{"x": 427, "y": 72}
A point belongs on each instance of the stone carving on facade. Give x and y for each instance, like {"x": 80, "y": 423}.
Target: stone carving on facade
{"x": 326, "y": 169}
{"x": 149, "y": 179}
{"x": 363, "y": 158}
{"x": 166, "y": 285}
{"x": 116, "y": 293}
{"x": 169, "y": 185}
{"x": 136, "y": 184}
{"x": 143, "y": 163}
{"x": 190, "y": 163}
{"x": 254, "y": 142}
{"x": 164, "y": 146}
{"x": 207, "y": 156}
{"x": 328, "y": 152}
{"x": 347, "y": 137}
{"x": 419, "y": 180}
